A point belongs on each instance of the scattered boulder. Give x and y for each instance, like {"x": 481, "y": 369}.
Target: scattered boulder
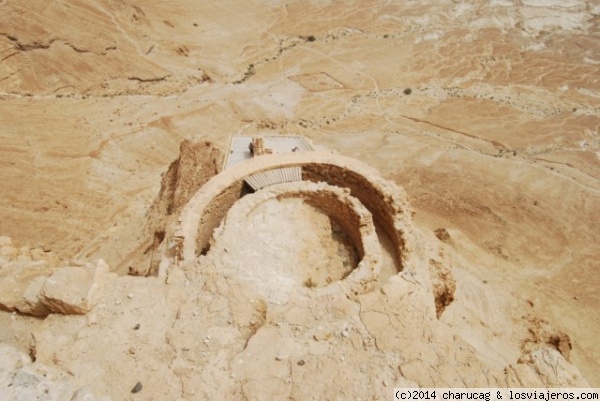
{"x": 137, "y": 388}
{"x": 31, "y": 298}
{"x": 73, "y": 290}
{"x": 34, "y": 288}
{"x": 18, "y": 279}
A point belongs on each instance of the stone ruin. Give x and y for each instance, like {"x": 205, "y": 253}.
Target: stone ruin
{"x": 362, "y": 188}
{"x": 261, "y": 342}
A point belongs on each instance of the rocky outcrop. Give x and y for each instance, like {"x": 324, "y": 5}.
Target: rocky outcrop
{"x": 198, "y": 162}
{"x": 73, "y": 290}
{"x": 541, "y": 368}
{"x": 34, "y": 287}
{"x": 20, "y": 285}
{"x": 487, "y": 113}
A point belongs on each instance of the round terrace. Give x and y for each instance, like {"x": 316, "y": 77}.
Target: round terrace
{"x": 277, "y": 281}
{"x": 204, "y": 212}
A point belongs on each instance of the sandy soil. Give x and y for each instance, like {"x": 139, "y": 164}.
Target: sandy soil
{"x": 488, "y": 114}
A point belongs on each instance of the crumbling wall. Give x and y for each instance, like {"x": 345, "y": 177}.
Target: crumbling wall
{"x": 214, "y": 213}
{"x": 345, "y": 213}
{"x": 339, "y": 205}
{"x": 387, "y": 202}
{"x": 197, "y": 163}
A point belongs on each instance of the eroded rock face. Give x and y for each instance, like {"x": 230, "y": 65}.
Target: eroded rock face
{"x": 198, "y": 161}
{"x": 34, "y": 288}
{"x": 545, "y": 366}
{"x": 20, "y": 285}
{"x": 205, "y": 334}
{"x": 34, "y": 305}
{"x": 73, "y": 290}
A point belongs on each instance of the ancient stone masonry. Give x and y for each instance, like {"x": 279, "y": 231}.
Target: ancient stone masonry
{"x": 337, "y": 203}
{"x": 267, "y": 294}
{"x": 386, "y": 202}
{"x": 257, "y": 147}
{"x": 297, "y": 200}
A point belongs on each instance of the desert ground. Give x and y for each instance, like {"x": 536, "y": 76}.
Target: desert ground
{"x": 485, "y": 114}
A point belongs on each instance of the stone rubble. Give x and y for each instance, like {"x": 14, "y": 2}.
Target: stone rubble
{"x": 35, "y": 288}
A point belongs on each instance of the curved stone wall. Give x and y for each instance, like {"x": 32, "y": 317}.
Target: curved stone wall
{"x": 386, "y": 201}
{"x": 338, "y": 204}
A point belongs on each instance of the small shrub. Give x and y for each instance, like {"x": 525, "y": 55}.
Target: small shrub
{"x": 249, "y": 71}
{"x": 311, "y": 38}
{"x": 407, "y": 91}
{"x": 442, "y": 234}
{"x": 310, "y": 283}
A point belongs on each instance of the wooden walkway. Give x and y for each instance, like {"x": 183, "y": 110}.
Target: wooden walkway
{"x": 239, "y": 151}
{"x": 275, "y": 176}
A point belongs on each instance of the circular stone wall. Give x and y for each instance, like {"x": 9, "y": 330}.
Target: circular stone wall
{"x": 273, "y": 265}
{"x": 386, "y": 201}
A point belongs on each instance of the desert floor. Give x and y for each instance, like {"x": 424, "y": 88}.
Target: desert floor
{"x": 486, "y": 113}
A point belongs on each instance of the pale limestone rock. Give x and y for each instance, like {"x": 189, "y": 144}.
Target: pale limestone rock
{"x": 11, "y": 358}
{"x": 78, "y": 262}
{"x": 20, "y": 380}
{"x": 175, "y": 276}
{"x": 31, "y": 297}
{"x": 547, "y": 366}
{"x": 15, "y": 280}
{"x": 30, "y": 385}
{"x": 25, "y": 252}
{"x": 86, "y": 394}
{"x": 457, "y": 60}
{"x": 37, "y": 253}
{"x": 73, "y": 290}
